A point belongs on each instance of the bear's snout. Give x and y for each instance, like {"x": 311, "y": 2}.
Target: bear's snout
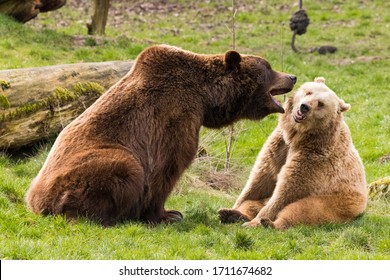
{"x": 304, "y": 108}
{"x": 300, "y": 115}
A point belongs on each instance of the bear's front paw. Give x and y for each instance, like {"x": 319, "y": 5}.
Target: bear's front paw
{"x": 267, "y": 223}
{"x": 231, "y": 216}
{"x": 172, "y": 216}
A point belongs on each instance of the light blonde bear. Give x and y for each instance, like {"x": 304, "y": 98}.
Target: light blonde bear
{"x": 308, "y": 171}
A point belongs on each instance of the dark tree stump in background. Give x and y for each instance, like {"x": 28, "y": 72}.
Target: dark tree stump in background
{"x": 99, "y": 17}
{"x": 25, "y": 10}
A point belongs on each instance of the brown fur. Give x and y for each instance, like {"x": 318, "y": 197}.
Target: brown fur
{"x": 308, "y": 170}
{"x": 121, "y": 158}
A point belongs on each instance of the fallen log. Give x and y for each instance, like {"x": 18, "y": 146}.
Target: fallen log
{"x": 37, "y": 103}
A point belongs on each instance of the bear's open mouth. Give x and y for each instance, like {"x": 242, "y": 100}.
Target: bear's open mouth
{"x": 299, "y": 117}
{"x": 277, "y": 102}
{"x": 278, "y": 91}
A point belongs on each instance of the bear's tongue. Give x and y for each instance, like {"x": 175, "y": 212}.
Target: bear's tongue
{"x": 299, "y": 116}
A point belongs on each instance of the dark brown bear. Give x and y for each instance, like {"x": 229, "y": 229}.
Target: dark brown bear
{"x": 121, "y": 158}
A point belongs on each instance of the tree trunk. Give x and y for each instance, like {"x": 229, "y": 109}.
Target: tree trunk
{"x": 99, "y": 17}
{"x": 25, "y": 10}
{"x": 36, "y": 103}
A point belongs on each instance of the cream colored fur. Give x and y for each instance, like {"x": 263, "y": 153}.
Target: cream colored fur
{"x": 308, "y": 171}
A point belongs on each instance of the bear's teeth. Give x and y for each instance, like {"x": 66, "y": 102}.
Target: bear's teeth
{"x": 276, "y": 101}
{"x": 299, "y": 117}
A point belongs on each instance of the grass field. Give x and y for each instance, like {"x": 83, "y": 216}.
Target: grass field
{"x": 358, "y": 73}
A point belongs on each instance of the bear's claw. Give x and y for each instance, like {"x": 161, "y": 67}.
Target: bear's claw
{"x": 172, "y": 216}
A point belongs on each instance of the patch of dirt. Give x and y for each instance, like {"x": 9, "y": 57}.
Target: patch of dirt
{"x": 121, "y": 11}
{"x": 364, "y": 59}
{"x": 219, "y": 180}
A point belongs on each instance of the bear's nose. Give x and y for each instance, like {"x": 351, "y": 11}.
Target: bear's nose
{"x": 293, "y": 78}
{"x": 304, "y": 108}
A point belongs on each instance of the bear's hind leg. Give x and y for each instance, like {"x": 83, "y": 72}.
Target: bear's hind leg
{"x": 105, "y": 189}
{"x": 317, "y": 210}
{"x": 107, "y": 202}
{"x": 120, "y": 202}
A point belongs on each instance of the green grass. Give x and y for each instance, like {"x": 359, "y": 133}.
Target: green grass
{"x": 199, "y": 236}
{"x": 358, "y": 73}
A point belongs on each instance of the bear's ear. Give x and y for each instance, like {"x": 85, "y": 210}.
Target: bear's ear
{"x": 320, "y": 80}
{"x": 232, "y": 60}
{"x": 344, "y": 106}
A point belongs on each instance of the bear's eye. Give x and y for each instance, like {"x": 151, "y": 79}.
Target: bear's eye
{"x": 320, "y": 104}
{"x": 308, "y": 93}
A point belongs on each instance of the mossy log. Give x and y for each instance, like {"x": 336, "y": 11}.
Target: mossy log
{"x": 37, "y": 103}
{"x": 380, "y": 188}
{"x": 25, "y": 10}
